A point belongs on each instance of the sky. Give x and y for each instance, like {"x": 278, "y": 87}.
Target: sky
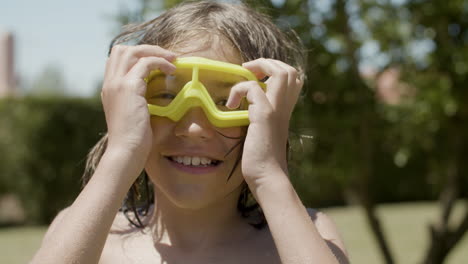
{"x": 72, "y": 35}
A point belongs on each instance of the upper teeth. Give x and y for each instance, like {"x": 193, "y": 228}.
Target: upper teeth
{"x": 195, "y": 161}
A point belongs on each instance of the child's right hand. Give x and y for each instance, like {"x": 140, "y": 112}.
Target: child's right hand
{"x": 123, "y": 97}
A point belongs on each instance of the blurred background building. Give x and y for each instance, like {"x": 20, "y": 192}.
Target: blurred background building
{"x": 7, "y": 74}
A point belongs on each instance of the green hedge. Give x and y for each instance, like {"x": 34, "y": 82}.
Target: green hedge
{"x": 44, "y": 142}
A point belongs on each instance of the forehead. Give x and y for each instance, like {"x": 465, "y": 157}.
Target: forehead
{"x": 210, "y": 47}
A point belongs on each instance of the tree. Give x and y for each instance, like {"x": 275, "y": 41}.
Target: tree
{"x": 372, "y": 146}
{"x": 443, "y": 73}
{"x": 49, "y": 82}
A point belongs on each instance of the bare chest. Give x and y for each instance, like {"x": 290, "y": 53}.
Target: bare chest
{"x": 141, "y": 249}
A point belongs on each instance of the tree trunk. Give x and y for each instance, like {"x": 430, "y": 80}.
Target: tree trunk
{"x": 365, "y": 146}
{"x": 443, "y": 237}
{"x": 378, "y": 233}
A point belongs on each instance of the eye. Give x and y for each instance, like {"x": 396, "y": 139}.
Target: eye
{"x": 221, "y": 105}
{"x": 164, "y": 96}
{"x": 222, "y": 102}
{"x": 161, "y": 99}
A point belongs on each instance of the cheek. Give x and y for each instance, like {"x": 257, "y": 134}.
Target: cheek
{"x": 232, "y": 132}
{"x": 233, "y": 167}
{"x": 236, "y": 177}
{"x": 161, "y": 127}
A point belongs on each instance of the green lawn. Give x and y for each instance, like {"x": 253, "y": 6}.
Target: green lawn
{"x": 17, "y": 245}
{"x": 406, "y": 227}
{"x": 405, "y": 224}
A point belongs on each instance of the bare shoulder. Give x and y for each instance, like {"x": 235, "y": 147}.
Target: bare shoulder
{"x": 124, "y": 239}
{"x": 119, "y": 229}
{"x": 329, "y": 232}
{"x": 324, "y": 224}
{"x": 121, "y": 225}
{"x": 265, "y": 248}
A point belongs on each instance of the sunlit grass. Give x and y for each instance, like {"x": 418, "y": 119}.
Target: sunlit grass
{"x": 405, "y": 225}
{"x": 18, "y": 244}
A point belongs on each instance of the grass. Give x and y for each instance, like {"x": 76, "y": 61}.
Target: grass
{"x": 18, "y": 244}
{"x": 405, "y": 225}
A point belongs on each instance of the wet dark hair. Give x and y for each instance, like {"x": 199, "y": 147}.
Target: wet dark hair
{"x": 251, "y": 34}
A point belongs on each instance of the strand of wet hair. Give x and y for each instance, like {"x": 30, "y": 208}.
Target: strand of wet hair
{"x": 239, "y": 137}
{"x": 131, "y": 200}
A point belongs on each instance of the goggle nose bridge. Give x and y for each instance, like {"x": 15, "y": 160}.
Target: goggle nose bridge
{"x": 196, "y": 89}
{"x": 196, "y": 93}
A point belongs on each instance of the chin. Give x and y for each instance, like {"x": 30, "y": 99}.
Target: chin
{"x": 194, "y": 191}
{"x": 190, "y": 196}
{"x": 196, "y": 196}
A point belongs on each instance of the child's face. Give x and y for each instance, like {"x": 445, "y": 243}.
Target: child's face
{"x": 177, "y": 164}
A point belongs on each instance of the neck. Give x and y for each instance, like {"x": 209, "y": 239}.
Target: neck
{"x": 191, "y": 229}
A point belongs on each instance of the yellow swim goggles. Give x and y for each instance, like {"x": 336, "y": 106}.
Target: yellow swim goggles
{"x": 199, "y": 82}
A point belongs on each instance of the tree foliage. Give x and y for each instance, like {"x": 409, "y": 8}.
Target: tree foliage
{"x": 382, "y": 119}
{"x": 386, "y": 86}
{"x": 44, "y": 142}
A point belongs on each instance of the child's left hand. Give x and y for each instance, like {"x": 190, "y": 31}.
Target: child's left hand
{"x": 265, "y": 150}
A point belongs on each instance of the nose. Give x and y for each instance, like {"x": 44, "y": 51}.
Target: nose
{"x": 194, "y": 125}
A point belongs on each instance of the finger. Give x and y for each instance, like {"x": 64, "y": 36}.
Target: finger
{"x": 294, "y": 83}
{"x": 145, "y": 65}
{"x": 292, "y": 73}
{"x": 111, "y": 63}
{"x": 125, "y": 57}
{"x": 142, "y": 69}
{"x": 258, "y": 102}
{"x": 300, "y": 84}
{"x": 297, "y": 78}
{"x": 277, "y": 81}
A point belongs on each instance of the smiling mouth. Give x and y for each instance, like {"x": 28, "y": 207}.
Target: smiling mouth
{"x": 194, "y": 161}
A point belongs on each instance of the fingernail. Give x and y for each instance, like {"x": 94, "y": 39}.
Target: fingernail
{"x": 172, "y": 56}
{"x": 228, "y": 104}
